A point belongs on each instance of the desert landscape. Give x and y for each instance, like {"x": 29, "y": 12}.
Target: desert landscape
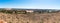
{"x": 31, "y": 17}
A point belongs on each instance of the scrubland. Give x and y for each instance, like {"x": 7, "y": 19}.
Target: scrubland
{"x": 31, "y": 18}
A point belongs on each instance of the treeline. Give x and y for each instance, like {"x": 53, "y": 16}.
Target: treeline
{"x": 24, "y": 11}
{"x": 13, "y": 11}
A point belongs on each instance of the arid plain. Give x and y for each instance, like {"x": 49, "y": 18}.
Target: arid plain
{"x": 31, "y": 18}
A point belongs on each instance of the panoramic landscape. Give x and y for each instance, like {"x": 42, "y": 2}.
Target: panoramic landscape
{"x": 29, "y": 11}
{"x": 29, "y": 15}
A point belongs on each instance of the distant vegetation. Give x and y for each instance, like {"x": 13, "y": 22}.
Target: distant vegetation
{"x": 23, "y": 11}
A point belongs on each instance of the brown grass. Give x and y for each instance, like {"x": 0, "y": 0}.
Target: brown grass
{"x": 31, "y": 18}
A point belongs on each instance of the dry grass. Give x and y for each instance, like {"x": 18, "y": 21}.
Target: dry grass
{"x": 31, "y": 18}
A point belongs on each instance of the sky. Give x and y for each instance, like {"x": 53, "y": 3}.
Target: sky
{"x": 30, "y": 4}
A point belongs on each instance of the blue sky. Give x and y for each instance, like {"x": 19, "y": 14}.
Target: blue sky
{"x": 30, "y": 4}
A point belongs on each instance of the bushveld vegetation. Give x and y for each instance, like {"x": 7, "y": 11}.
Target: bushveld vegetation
{"x": 31, "y": 18}
{"x": 24, "y": 11}
{"x": 15, "y": 16}
{"x": 13, "y": 11}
